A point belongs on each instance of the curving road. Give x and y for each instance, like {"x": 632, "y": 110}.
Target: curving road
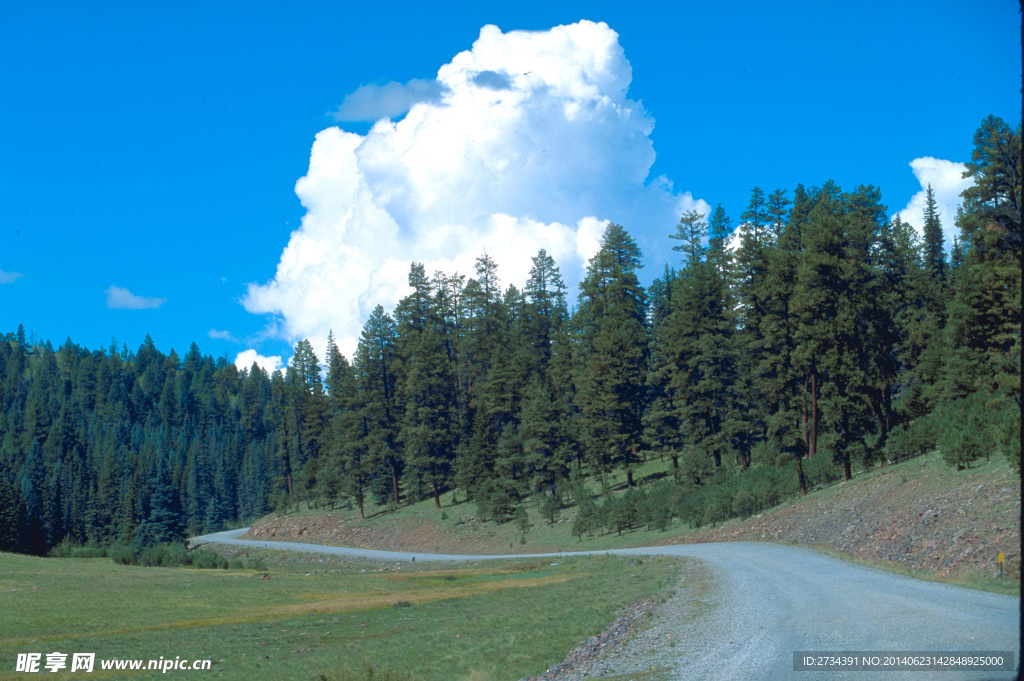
{"x": 773, "y": 600}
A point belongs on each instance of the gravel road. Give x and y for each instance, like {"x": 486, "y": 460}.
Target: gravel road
{"x": 768, "y": 601}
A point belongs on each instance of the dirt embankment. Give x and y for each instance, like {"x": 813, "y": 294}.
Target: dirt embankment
{"x": 932, "y": 519}
{"x": 918, "y": 515}
{"x": 410, "y": 533}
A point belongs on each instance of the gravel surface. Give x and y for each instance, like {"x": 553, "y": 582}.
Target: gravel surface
{"x": 755, "y": 604}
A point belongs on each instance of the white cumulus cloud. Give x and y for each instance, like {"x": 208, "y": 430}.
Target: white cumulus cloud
{"x": 122, "y": 299}
{"x": 947, "y": 181}
{"x": 9, "y": 277}
{"x": 244, "y": 361}
{"x": 532, "y": 143}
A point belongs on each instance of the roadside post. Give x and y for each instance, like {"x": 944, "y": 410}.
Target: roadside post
{"x": 1000, "y": 565}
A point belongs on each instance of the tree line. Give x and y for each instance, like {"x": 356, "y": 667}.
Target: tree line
{"x": 816, "y": 338}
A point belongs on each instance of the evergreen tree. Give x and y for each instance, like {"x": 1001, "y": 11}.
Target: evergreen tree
{"x": 611, "y": 365}
{"x": 164, "y": 523}
{"x": 430, "y": 423}
{"x": 934, "y": 248}
{"x": 376, "y": 382}
{"x": 691, "y": 231}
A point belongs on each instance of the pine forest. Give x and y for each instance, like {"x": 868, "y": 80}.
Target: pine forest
{"x": 815, "y": 340}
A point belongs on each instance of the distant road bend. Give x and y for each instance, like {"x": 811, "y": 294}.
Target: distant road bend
{"x": 772, "y": 600}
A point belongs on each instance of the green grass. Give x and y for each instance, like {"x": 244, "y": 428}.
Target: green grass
{"x": 469, "y": 535}
{"x": 494, "y": 620}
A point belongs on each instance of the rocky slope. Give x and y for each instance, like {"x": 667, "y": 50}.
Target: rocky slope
{"x": 930, "y": 519}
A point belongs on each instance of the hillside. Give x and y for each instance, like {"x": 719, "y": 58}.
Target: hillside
{"x": 919, "y": 517}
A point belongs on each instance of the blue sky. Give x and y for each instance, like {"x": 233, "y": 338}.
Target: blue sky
{"x": 150, "y": 154}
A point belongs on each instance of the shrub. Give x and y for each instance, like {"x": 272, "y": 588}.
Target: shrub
{"x": 968, "y": 432}
{"x": 1008, "y": 435}
{"x": 522, "y": 523}
{"x": 550, "y": 506}
{"x": 619, "y": 512}
{"x": 717, "y": 506}
{"x": 205, "y": 559}
{"x": 496, "y": 499}
{"x": 587, "y": 518}
{"x": 743, "y": 502}
{"x": 917, "y": 437}
{"x": 821, "y": 470}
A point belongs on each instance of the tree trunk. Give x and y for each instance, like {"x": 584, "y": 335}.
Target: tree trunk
{"x": 800, "y": 475}
{"x": 437, "y": 495}
{"x": 882, "y": 418}
{"x": 629, "y": 479}
{"x": 887, "y": 406}
{"x": 814, "y": 417}
{"x": 803, "y": 424}
{"x": 847, "y": 470}
{"x": 675, "y": 461}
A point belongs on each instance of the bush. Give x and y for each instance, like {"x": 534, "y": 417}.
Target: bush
{"x": 821, "y": 470}
{"x": 743, "y": 502}
{"x": 496, "y": 500}
{"x": 620, "y": 512}
{"x": 918, "y": 437}
{"x": 550, "y": 506}
{"x": 175, "y": 554}
{"x": 162, "y": 555}
{"x": 717, "y": 506}
{"x": 205, "y": 559}
{"x": 587, "y": 518}
{"x": 522, "y": 523}
{"x": 969, "y": 431}
{"x": 1008, "y": 435}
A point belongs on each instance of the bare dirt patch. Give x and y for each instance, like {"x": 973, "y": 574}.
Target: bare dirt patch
{"x": 408, "y": 533}
{"x": 919, "y": 516}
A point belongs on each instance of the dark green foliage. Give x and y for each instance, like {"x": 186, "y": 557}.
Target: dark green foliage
{"x": 550, "y": 507}
{"x": 588, "y": 518}
{"x": 171, "y": 554}
{"x": 611, "y": 360}
{"x": 522, "y": 520}
{"x": 978, "y": 426}
{"x": 496, "y": 500}
{"x": 164, "y": 523}
{"x": 112, "y": 446}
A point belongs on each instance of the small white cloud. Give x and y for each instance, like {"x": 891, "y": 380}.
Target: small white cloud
{"x": 947, "y": 181}
{"x": 9, "y": 277}
{"x": 244, "y": 361}
{"x": 222, "y": 335}
{"x": 122, "y": 299}
{"x": 391, "y": 100}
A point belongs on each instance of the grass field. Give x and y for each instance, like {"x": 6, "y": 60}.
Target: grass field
{"x": 495, "y": 621}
